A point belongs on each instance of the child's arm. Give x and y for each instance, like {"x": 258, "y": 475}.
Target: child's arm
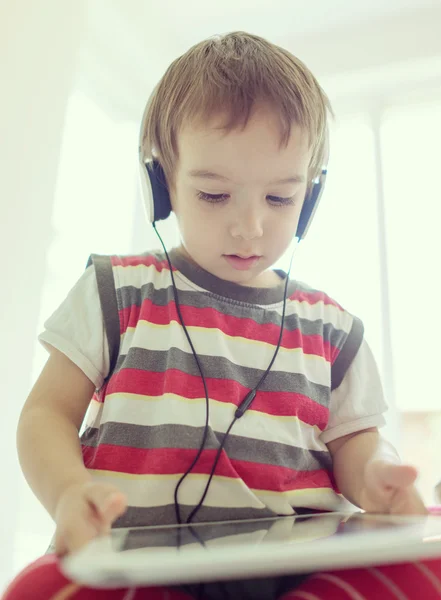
{"x": 369, "y": 473}
{"x": 50, "y": 455}
{"x": 47, "y": 435}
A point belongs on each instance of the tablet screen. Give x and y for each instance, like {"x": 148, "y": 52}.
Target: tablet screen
{"x": 288, "y": 530}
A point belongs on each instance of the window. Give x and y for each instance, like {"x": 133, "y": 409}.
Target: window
{"x": 411, "y": 155}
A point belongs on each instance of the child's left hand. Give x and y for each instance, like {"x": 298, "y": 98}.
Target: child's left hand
{"x": 389, "y": 488}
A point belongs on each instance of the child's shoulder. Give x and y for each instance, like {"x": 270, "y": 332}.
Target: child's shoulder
{"x": 314, "y": 303}
{"x": 303, "y": 292}
{"x": 128, "y": 269}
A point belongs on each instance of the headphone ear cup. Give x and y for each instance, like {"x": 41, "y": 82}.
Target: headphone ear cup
{"x": 155, "y": 193}
{"x": 310, "y": 205}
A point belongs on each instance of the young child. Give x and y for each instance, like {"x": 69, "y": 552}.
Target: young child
{"x": 217, "y": 387}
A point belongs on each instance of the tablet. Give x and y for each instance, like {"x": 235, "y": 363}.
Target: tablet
{"x": 203, "y": 552}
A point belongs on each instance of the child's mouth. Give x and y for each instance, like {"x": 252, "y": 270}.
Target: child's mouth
{"x": 239, "y": 263}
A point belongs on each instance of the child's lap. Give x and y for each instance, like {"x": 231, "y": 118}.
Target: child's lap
{"x": 43, "y": 580}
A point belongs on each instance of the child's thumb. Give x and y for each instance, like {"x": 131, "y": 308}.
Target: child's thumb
{"x": 398, "y": 476}
{"x": 108, "y": 504}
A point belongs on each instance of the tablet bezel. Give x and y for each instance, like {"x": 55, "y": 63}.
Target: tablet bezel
{"x": 100, "y": 564}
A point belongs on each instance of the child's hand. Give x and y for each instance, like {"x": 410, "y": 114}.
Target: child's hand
{"x": 389, "y": 488}
{"x": 85, "y": 511}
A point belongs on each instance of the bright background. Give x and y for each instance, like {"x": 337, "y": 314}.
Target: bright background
{"x": 75, "y": 78}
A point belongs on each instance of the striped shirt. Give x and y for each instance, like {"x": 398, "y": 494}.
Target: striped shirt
{"x": 146, "y": 420}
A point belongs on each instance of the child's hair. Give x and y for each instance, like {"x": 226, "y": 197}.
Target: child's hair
{"x": 228, "y": 75}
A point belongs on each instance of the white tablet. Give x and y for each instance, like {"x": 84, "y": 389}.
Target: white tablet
{"x": 175, "y": 555}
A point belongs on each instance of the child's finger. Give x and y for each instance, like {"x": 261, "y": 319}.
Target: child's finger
{"x": 406, "y": 502}
{"x": 397, "y": 476}
{"x": 114, "y": 506}
{"x": 109, "y": 504}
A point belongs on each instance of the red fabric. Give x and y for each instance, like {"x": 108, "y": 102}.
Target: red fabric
{"x": 407, "y": 581}
{"x": 43, "y": 580}
{"x": 162, "y": 461}
{"x": 208, "y": 317}
{"x": 174, "y": 381}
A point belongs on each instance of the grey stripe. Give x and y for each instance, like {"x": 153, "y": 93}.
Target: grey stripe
{"x": 181, "y": 436}
{"x": 347, "y": 354}
{"x": 165, "y": 515}
{"x": 221, "y": 368}
{"x": 109, "y": 305}
{"x": 131, "y": 296}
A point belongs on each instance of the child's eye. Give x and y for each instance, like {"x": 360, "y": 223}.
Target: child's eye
{"x": 216, "y": 198}
{"x": 213, "y": 198}
{"x": 279, "y": 201}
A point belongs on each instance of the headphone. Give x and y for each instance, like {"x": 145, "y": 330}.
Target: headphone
{"x": 156, "y": 197}
{"x": 157, "y": 207}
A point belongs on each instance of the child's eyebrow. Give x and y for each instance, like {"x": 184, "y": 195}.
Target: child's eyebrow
{"x": 203, "y": 174}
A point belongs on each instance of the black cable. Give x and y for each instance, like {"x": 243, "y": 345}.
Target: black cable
{"x": 204, "y": 438}
{"x": 244, "y": 405}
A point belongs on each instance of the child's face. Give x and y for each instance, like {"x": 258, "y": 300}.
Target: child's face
{"x": 243, "y": 170}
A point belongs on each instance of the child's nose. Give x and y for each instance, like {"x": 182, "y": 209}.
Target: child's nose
{"x": 248, "y": 225}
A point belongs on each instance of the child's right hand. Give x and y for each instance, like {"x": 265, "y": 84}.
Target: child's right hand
{"x": 85, "y": 511}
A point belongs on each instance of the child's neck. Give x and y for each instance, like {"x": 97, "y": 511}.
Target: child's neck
{"x": 267, "y": 279}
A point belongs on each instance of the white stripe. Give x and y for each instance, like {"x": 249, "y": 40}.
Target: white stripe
{"x": 238, "y": 350}
{"x": 171, "y": 409}
{"x": 149, "y": 491}
{"x": 391, "y": 586}
{"x": 141, "y": 275}
{"x": 351, "y": 591}
{"x": 430, "y": 576}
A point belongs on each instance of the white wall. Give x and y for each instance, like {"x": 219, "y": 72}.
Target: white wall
{"x": 38, "y": 50}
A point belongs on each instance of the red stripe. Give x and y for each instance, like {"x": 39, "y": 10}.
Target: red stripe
{"x": 173, "y": 381}
{"x": 167, "y": 461}
{"x": 134, "y": 261}
{"x": 210, "y": 318}
{"x": 314, "y": 297}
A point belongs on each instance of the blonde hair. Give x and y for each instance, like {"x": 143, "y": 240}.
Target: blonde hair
{"x": 229, "y": 75}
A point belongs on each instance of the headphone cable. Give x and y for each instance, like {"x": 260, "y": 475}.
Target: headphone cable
{"x": 241, "y": 409}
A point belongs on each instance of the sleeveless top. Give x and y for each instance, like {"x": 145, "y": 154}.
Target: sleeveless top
{"x": 146, "y": 423}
